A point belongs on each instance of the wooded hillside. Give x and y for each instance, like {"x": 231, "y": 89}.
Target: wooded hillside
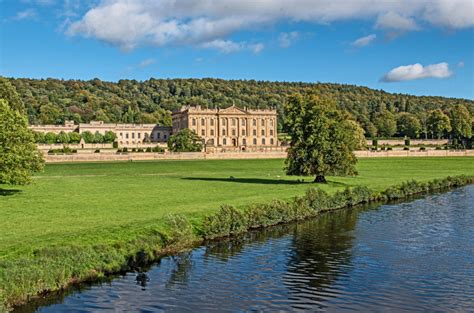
{"x": 151, "y": 101}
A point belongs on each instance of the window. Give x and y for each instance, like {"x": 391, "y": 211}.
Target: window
{"x": 243, "y": 122}
{"x": 263, "y": 132}
{"x": 194, "y": 122}
{"x": 121, "y": 135}
{"x": 224, "y": 141}
{"x": 271, "y": 132}
{"x": 164, "y": 136}
{"x": 271, "y": 141}
{"x": 271, "y": 122}
{"x": 203, "y": 132}
{"x": 255, "y": 132}
{"x": 244, "y": 141}
{"x": 223, "y": 132}
{"x": 133, "y": 135}
{"x": 158, "y": 135}
{"x": 212, "y": 122}
{"x": 243, "y": 132}
{"x": 254, "y": 122}
{"x": 234, "y": 121}
{"x": 126, "y": 136}
{"x": 263, "y": 141}
{"x": 212, "y": 132}
{"x": 223, "y": 122}
{"x": 203, "y": 122}
{"x": 139, "y": 134}
{"x": 263, "y": 122}
{"x": 255, "y": 141}
{"x": 233, "y": 132}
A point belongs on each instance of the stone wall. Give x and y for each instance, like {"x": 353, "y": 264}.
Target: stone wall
{"x": 100, "y": 157}
{"x": 394, "y": 142}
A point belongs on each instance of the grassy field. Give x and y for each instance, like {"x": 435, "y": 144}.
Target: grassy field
{"x": 105, "y": 202}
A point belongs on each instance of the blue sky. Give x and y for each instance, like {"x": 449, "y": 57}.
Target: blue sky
{"x": 423, "y": 47}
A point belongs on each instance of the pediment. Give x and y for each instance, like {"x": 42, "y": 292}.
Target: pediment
{"x": 233, "y": 110}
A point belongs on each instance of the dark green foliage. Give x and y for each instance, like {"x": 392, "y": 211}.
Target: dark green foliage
{"x": 151, "y": 101}
{"x": 148, "y": 149}
{"x": 65, "y": 150}
{"x": 74, "y": 137}
{"x": 109, "y": 137}
{"x": 407, "y": 142}
{"x": 185, "y": 140}
{"x": 88, "y": 137}
{"x": 375, "y": 142}
{"x": 115, "y": 145}
{"x": 322, "y": 139}
{"x": 97, "y": 151}
{"x": 9, "y": 93}
{"x": 158, "y": 149}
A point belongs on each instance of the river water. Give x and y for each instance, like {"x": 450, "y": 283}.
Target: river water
{"x": 413, "y": 256}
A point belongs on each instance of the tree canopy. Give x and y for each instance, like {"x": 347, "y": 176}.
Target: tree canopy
{"x": 322, "y": 138}
{"x": 151, "y": 101}
{"x": 185, "y": 140}
{"x": 19, "y": 158}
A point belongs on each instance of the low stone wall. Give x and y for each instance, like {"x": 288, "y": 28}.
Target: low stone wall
{"x": 395, "y": 142}
{"x": 144, "y": 156}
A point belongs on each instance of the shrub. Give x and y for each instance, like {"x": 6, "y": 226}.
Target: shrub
{"x": 125, "y": 149}
{"x": 97, "y": 151}
{"x": 179, "y": 230}
{"x": 389, "y": 148}
{"x": 407, "y": 142}
{"x": 422, "y": 148}
{"x": 406, "y": 148}
{"x": 227, "y": 222}
{"x": 148, "y": 149}
{"x": 438, "y": 148}
{"x": 115, "y": 145}
{"x": 158, "y": 149}
{"x": 134, "y": 150}
{"x": 375, "y": 142}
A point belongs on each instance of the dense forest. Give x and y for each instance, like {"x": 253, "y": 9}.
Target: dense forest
{"x": 51, "y": 101}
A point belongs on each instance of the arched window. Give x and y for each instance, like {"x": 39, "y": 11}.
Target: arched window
{"x": 263, "y": 141}
{"x": 224, "y": 141}
{"x": 271, "y": 141}
{"x": 255, "y": 141}
{"x": 263, "y": 132}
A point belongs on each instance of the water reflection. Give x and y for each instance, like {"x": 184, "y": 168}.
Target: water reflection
{"x": 415, "y": 256}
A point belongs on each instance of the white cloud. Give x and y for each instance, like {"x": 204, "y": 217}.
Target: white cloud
{"x": 395, "y": 21}
{"x": 146, "y": 63}
{"x": 229, "y": 46}
{"x": 417, "y": 71}
{"x": 364, "y": 41}
{"x": 132, "y": 23}
{"x": 461, "y": 64}
{"x": 286, "y": 39}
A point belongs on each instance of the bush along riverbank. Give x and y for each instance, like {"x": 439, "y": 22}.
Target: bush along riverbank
{"x": 55, "y": 268}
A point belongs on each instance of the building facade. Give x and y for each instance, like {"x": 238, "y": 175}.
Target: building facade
{"x": 230, "y": 127}
{"x": 128, "y": 135}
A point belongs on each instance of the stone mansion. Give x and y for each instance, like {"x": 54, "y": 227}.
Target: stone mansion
{"x": 232, "y": 127}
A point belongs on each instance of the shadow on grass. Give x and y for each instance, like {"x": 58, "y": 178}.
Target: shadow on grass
{"x": 263, "y": 181}
{"x": 8, "y": 192}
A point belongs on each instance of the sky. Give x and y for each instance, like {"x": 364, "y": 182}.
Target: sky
{"x": 422, "y": 47}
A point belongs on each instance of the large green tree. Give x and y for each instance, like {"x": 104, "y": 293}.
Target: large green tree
{"x": 9, "y": 94}
{"x": 438, "y": 124}
{"x": 408, "y": 125}
{"x": 185, "y": 140}
{"x": 322, "y": 138}
{"x": 386, "y": 124}
{"x": 461, "y": 122}
{"x": 19, "y": 158}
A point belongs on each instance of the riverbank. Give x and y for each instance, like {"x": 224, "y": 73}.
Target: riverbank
{"x": 94, "y": 237}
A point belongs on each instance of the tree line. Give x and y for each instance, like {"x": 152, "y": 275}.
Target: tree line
{"x": 74, "y": 138}
{"x": 381, "y": 114}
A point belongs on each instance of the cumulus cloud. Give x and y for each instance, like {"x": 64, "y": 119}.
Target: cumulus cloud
{"x": 417, "y": 71}
{"x": 131, "y": 23}
{"x": 364, "y": 41}
{"x": 286, "y": 39}
{"x": 395, "y": 21}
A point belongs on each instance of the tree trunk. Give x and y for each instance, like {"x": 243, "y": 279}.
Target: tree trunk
{"x": 320, "y": 179}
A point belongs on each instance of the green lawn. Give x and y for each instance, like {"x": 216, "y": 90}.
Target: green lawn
{"x": 103, "y": 202}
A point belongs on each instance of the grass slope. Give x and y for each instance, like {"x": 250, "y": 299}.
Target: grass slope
{"x": 105, "y": 202}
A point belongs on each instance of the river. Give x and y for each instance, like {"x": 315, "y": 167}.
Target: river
{"x": 412, "y": 256}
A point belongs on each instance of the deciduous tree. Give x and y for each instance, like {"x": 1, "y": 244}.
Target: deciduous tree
{"x": 185, "y": 140}
{"x": 322, "y": 138}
